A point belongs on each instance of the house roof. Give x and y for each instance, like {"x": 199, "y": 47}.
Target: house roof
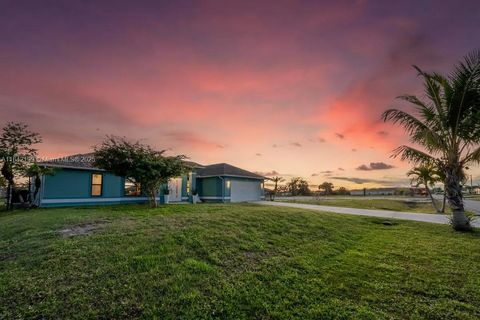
{"x": 76, "y": 161}
{"x": 225, "y": 169}
{"x": 85, "y": 162}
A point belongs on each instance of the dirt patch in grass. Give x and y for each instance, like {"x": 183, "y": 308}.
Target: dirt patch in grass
{"x": 83, "y": 229}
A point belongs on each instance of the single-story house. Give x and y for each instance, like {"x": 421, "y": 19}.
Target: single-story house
{"x": 374, "y": 192}
{"x": 77, "y": 182}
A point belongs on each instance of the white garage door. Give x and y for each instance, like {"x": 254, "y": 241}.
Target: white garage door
{"x": 245, "y": 191}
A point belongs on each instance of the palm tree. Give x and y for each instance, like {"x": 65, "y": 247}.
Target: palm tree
{"x": 446, "y": 127}
{"x": 327, "y": 187}
{"x": 442, "y": 178}
{"x": 276, "y": 180}
{"x": 425, "y": 174}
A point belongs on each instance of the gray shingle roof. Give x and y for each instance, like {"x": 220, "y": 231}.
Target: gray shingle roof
{"x": 225, "y": 169}
{"x": 76, "y": 161}
{"x": 85, "y": 161}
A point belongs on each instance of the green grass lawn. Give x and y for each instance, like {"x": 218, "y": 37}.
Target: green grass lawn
{"x": 233, "y": 262}
{"x": 380, "y": 204}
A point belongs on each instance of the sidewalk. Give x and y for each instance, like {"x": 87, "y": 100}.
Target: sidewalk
{"x": 424, "y": 217}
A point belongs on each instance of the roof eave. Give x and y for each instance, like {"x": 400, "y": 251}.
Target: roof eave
{"x": 51, "y": 165}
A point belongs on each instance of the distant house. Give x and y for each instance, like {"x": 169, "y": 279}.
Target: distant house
{"x": 77, "y": 182}
{"x": 373, "y": 192}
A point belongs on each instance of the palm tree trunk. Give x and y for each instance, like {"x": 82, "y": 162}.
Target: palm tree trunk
{"x": 431, "y": 197}
{"x": 460, "y": 221}
{"x": 444, "y": 200}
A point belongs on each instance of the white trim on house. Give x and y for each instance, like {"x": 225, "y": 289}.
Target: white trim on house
{"x": 215, "y": 198}
{"x": 51, "y": 165}
{"x": 85, "y": 200}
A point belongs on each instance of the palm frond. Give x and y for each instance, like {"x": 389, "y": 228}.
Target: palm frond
{"x": 433, "y": 88}
{"x": 426, "y": 111}
{"x": 413, "y": 155}
{"x": 420, "y": 132}
{"x": 465, "y": 81}
{"x": 408, "y": 121}
{"x": 473, "y": 156}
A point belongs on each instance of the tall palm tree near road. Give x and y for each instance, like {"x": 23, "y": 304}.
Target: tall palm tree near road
{"x": 445, "y": 125}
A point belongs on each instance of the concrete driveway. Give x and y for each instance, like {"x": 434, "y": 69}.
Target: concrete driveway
{"x": 423, "y": 217}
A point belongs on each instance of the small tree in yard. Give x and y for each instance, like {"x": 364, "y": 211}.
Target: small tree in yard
{"x": 427, "y": 175}
{"x": 134, "y": 160}
{"x": 16, "y": 153}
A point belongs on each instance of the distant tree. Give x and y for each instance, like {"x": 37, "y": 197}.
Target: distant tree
{"x": 282, "y": 189}
{"x": 36, "y": 172}
{"x": 137, "y": 161}
{"x": 16, "y": 153}
{"x": 298, "y": 187}
{"x": 446, "y": 126}
{"x": 343, "y": 191}
{"x": 327, "y": 188}
{"x": 427, "y": 175}
{"x": 276, "y": 181}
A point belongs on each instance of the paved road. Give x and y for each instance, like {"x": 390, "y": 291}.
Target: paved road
{"x": 471, "y": 205}
{"x": 424, "y": 217}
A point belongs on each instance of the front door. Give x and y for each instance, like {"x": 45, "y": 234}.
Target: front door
{"x": 175, "y": 187}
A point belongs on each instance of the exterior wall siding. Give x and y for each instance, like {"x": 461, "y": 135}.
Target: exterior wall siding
{"x": 216, "y": 189}
{"x": 212, "y": 189}
{"x": 70, "y": 187}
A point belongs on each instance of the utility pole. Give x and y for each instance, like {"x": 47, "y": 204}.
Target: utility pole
{"x": 471, "y": 184}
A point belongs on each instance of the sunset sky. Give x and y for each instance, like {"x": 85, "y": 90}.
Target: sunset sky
{"x": 293, "y": 88}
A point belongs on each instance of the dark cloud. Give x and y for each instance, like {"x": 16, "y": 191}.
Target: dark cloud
{"x": 268, "y": 173}
{"x": 296, "y": 144}
{"x": 274, "y": 145}
{"x": 382, "y": 133}
{"x": 340, "y": 136}
{"x": 341, "y": 169}
{"x": 362, "y": 180}
{"x": 390, "y": 181}
{"x": 354, "y": 150}
{"x": 325, "y": 173}
{"x": 258, "y": 154}
{"x": 375, "y": 166}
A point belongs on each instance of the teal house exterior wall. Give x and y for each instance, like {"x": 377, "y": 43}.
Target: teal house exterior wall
{"x": 212, "y": 189}
{"x": 73, "y": 187}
